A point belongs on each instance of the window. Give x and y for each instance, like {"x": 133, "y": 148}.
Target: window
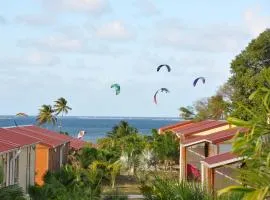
{"x": 224, "y": 148}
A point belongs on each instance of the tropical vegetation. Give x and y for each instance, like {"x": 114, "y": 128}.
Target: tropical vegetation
{"x": 48, "y": 114}
{"x": 62, "y": 108}
{"x": 255, "y": 148}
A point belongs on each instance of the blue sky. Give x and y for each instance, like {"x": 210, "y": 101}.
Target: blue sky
{"x": 77, "y": 48}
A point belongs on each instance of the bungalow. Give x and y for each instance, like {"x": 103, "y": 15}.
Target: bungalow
{"x": 215, "y": 173}
{"x": 188, "y": 130}
{"x": 77, "y": 144}
{"x": 17, "y": 156}
{"x": 171, "y": 127}
{"x": 51, "y": 152}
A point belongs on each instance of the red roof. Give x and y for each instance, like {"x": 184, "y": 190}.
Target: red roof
{"x": 199, "y": 127}
{"x": 214, "y": 138}
{"x": 7, "y": 146}
{"x": 77, "y": 144}
{"x": 50, "y": 140}
{"x": 21, "y": 140}
{"x": 221, "y": 160}
{"x": 172, "y": 126}
{"x": 56, "y": 135}
{"x": 225, "y": 135}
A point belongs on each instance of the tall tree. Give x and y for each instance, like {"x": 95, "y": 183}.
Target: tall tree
{"x": 46, "y": 115}
{"x": 247, "y": 74}
{"x": 61, "y": 107}
{"x": 186, "y": 112}
{"x": 214, "y": 107}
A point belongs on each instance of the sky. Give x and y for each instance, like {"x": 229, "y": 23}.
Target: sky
{"x": 77, "y": 48}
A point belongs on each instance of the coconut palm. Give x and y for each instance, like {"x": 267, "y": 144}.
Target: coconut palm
{"x": 46, "y": 115}
{"x": 121, "y": 130}
{"x": 61, "y": 107}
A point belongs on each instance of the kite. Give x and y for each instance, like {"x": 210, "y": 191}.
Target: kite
{"x": 197, "y": 79}
{"x": 116, "y": 87}
{"x": 164, "y": 65}
{"x": 21, "y": 114}
{"x": 160, "y": 90}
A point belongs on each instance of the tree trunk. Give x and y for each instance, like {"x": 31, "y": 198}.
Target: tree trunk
{"x": 60, "y": 123}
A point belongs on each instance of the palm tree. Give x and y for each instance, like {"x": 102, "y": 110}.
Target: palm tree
{"x": 121, "y": 130}
{"x": 46, "y": 115}
{"x": 61, "y": 107}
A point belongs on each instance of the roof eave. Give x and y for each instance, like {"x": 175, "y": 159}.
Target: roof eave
{"x": 222, "y": 163}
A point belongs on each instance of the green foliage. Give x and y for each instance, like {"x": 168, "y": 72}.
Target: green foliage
{"x": 248, "y": 69}
{"x": 69, "y": 184}
{"x": 61, "y": 106}
{"x": 87, "y": 155}
{"x": 165, "y": 146}
{"x": 214, "y": 107}
{"x": 46, "y": 115}
{"x": 164, "y": 188}
{"x": 255, "y": 148}
{"x": 12, "y": 192}
{"x": 186, "y": 112}
{"x": 121, "y": 130}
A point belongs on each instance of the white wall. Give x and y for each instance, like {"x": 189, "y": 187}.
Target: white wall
{"x": 26, "y": 167}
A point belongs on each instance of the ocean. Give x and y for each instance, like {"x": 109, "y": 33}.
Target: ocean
{"x": 95, "y": 127}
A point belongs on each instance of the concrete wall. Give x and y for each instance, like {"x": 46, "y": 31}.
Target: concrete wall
{"x": 42, "y": 163}
{"x": 26, "y": 167}
{"x": 24, "y": 174}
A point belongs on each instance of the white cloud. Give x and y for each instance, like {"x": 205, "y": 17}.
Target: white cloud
{"x": 115, "y": 30}
{"x": 2, "y": 20}
{"x": 34, "y": 20}
{"x": 95, "y": 7}
{"x": 208, "y": 38}
{"x": 147, "y": 7}
{"x": 64, "y": 44}
{"x": 255, "y": 22}
{"x": 54, "y": 43}
{"x": 34, "y": 59}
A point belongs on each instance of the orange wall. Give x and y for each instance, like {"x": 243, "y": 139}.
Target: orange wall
{"x": 42, "y": 165}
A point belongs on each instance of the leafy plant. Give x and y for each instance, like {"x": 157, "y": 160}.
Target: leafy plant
{"x": 255, "y": 148}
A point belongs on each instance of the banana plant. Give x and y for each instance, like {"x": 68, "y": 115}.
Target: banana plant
{"x": 255, "y": 148}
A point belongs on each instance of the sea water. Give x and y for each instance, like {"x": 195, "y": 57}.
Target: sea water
{"x": 95, "y": 127}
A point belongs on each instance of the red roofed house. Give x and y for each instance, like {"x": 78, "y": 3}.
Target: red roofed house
{"x": 215, "y": 173}
{"x": 77, "y": 144}
{"x": 51, "y": 152}
{"x": 187, "y": 130}
{"x": 17, "y": 156}
{"x": 206, "y": 153}
{"x": 171, "y": 127}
